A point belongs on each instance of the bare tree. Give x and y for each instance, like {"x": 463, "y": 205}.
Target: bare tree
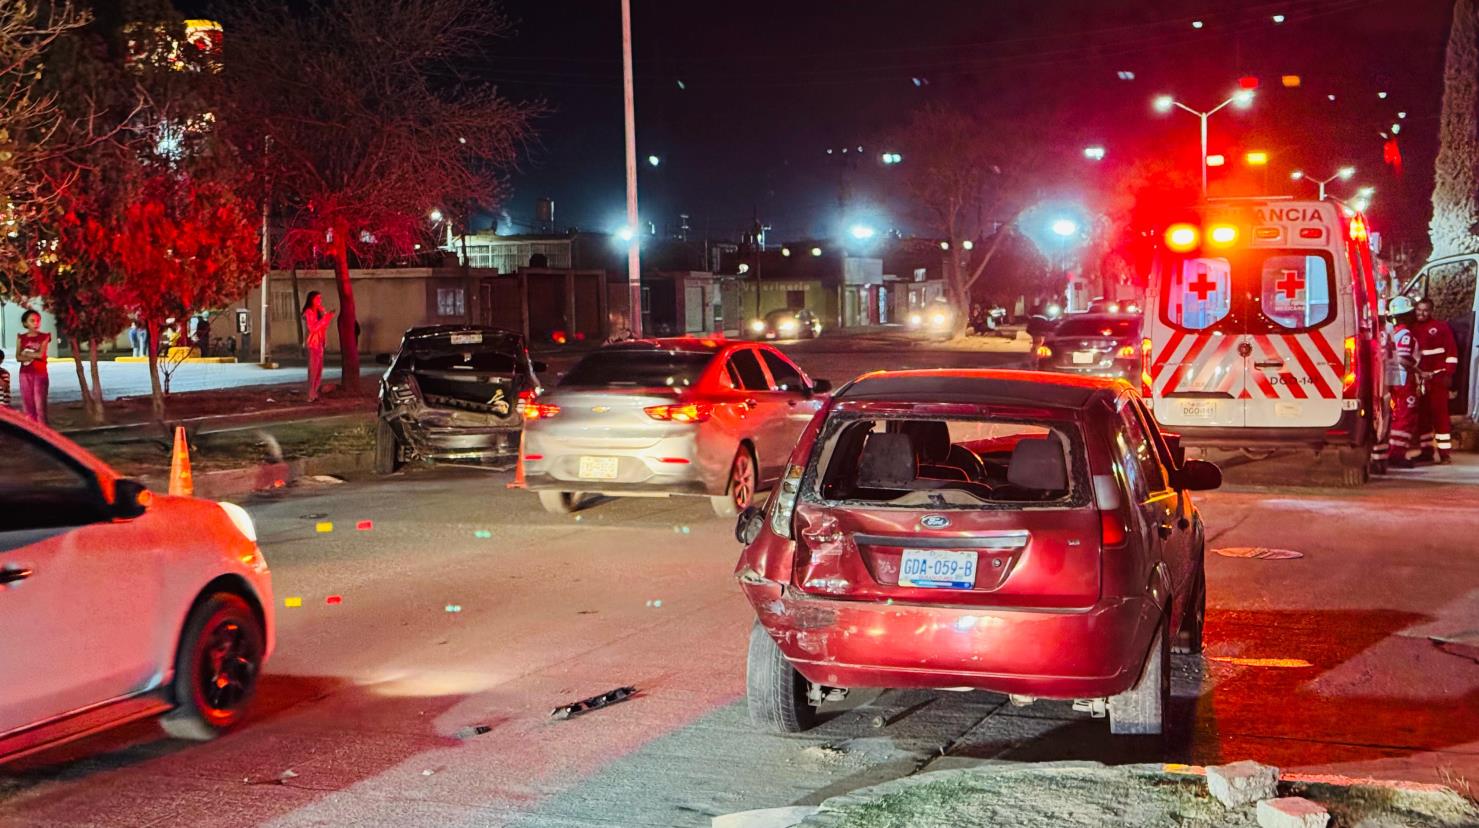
{"x": 365, "y": 113}
{"x": 29, "y": 118}
{"x": 970, "y": 178}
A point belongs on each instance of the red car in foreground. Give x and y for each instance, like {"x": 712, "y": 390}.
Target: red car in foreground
{"x": 1023, "y": 533}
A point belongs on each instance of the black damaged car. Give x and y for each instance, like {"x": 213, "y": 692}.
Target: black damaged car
{"x": 454, "y": 393}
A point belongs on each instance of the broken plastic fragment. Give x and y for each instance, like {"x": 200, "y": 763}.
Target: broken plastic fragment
{"x": 324, "y": 527}
{"x": 593, "y": 703}
{"x": 365, "y": 525}
{"x": 334, "y": 599}
{"x": 293, "y": 601}
{"x": 454, "y": 608}
{"x": 472, "y": 730}
{"x": 482, "y": 533}
{"x": 656, "y": 603}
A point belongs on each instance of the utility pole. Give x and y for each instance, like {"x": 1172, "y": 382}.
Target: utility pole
{"x": 266, "y": 261}
{"x": 634, "y": 264}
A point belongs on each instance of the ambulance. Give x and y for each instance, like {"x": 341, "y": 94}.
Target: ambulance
{"x": 1262, "y": 332}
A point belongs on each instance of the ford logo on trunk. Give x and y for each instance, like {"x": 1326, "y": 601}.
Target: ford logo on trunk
{"x": 934, "y": 521}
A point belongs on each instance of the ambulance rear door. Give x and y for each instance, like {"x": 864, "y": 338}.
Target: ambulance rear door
{"x": 1300, "y": 312}
{"x": 1196, "y": 367}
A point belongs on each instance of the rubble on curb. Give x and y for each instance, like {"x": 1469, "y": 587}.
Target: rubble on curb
{"x": 1291, "y": 812}
{"x": 1242, "y": 783}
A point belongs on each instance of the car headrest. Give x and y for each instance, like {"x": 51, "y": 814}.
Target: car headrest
{"x": 931, "y": 438}
{"x": 1038, "y": 463}
{"x": 887, "y": 462}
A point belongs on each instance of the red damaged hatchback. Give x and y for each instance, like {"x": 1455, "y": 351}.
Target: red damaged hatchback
{"x": 1023, "y": 533}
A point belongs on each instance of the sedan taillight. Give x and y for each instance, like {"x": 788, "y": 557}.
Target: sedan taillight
{"x": 685, "y": 413}
{"x": 785, "y": 501}
{"x": 1044, "y": 351}
{"x": 539, "y": 411}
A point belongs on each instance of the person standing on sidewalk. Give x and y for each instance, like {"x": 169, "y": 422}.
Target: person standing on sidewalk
{"x": 138, "y": 337}
{"x": 30, "y": 352}
{"x": 316, "y": 323}
{"x": 1438, "y": 362}
{"x": 1403, "y": 381}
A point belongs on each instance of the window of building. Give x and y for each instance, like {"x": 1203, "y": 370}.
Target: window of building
{"x": 451, "y": 301}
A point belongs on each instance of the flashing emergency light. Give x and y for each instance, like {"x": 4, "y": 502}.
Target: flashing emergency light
{"x": 1248, "y": 82}
{"x": 1216, "y": 160}
{"x": 1358, "y": 231}
{"x": 1222, "y": 234}
{"x": 1181, "y": 237}
{"x": 1256, "y": 158}
{"x": 1145, "y": 379}
{"x": 1349, "y": 380}
{"x": 1291, "y": 81}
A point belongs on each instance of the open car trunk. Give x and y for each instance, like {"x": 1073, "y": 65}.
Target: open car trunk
{"x": 967, "y": 510}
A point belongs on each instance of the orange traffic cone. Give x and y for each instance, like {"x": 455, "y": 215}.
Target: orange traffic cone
{"x": 180, "y": 482}
{"x": 519, "y": 466}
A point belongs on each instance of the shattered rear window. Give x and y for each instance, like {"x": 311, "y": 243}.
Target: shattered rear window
{"x": 629, "y": 368}
{"x": 965, "y": 462}
{"x": 465, "y": 360}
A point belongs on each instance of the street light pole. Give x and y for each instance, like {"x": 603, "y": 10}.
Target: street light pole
{"x": 1242, "y": 97}
{"x": 634, "y": 264}
{"x": 1344, "y": 174}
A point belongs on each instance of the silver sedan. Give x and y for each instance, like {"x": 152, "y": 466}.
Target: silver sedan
{"x": 662, "y": 417}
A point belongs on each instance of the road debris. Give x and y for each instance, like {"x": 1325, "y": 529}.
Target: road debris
{"x": 324, "y": 527}
{"x": 655, "y": 604}
{"x": 454, "y": 608}
{"x": 593, "y": 703}
{"x": 1291, "y": 812}
{"x": 293, "y": 601}
{"x": 314, "y": 516}
{"x": 1262, "y": 553}
{"x": 482, "y": 533}
{"x": 280, "y": 779}
{"x": 472, "y": 730}
{"x": 334, "y": 599}
{"x": 365, "y": 525}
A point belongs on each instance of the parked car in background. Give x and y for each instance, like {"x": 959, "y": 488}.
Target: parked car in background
{"x": 787, "y": 324}
{"x": 936, "y": 318}
{"x": 117, "y": 603}
{"x": 1017, "y": 532}
{"x": 454, "y": 393}
{"x": 659, "y": 417}
{"x": 1101, "y": 345}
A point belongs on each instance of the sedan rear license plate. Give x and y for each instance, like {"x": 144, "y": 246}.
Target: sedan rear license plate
{"x": 598, "y": 468}
{"x": 937, "y": 569}
{"x": 1198, "y": 409}
{"x": 1085, "y": 357}
{"x": 467, "y": 338}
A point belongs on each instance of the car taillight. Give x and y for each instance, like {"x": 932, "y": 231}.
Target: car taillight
{"x": 685, "y": 413}
{"x": 1127, "y": 351}
{"x": 1348, "y": 382}
{"x": 540, "y": 411}
{"x": 1111, "y": 530}
{"x": 1044, "y": 351}
{"x": 785, "y": 501}
{"x": 1145, "y": 379}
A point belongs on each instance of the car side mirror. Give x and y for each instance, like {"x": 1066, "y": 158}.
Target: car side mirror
{"x": 1197, "y": 476}
{"x": 747, "y": 528}
{"x": 1178, "y": 451}
{"x": 382, "y": 359}
{"x": 130, "y": 499}
{"x": 539, "y": 366}
{"x": 821, "y": 386}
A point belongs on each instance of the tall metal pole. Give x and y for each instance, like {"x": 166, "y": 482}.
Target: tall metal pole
{"x": 634, "y": 263}
{"x": 1204, "y": 116}
{"x": 266, "y": 266}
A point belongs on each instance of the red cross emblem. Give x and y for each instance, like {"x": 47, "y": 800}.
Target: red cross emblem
{"x": 1202, "y": 287}
{"x": 1290, "y": 285}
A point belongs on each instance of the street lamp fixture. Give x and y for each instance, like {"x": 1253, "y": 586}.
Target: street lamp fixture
{"x": 743, "y": 268}
{"x": 436, "y": 215}
{"x": 1094, "y": 153}
{"x": 1366, "y": 192}
{"x": 944, "y": 245}
{"x": 653, "y": 160}
{"x": 1257, "y": 158}
{"x": 1243, "y": 98}
{"x": 861, "y": 232}
{"x": 1344, "y": 174}
{"x": 786, "y": 251}
{"x": 816, "y": 251}
{"x": 968, "y": 244}
{"x": 1065, "y": 227}
{"x": 626, "y": 234}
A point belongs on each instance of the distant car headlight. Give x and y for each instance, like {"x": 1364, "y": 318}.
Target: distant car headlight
{"x": 916, "y": 320}
{"x": 938, "y": 319}
{"x": 788, "y": 326}
{"x": 758, "y": 326}
{"x": 240, "y": 519}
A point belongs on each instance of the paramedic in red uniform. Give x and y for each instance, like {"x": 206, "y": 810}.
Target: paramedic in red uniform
{"x": 1403, "y": 381}
{"x": 1438, "y": 361}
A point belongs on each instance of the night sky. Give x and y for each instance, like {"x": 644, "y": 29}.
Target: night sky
{"x": 768, "y": 86}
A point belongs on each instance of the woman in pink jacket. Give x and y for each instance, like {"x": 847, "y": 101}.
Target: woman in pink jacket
{"x": 316, "y": 322}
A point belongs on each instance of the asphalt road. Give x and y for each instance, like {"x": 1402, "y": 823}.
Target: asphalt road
{"x": 466, "y": 606}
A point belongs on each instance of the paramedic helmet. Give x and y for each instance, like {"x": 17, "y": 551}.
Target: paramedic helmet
{"x": 1399, "y": 305}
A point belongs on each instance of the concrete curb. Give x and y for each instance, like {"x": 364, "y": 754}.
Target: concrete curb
{"x": 213, "y": 423}
{"x": 229, "y": 483}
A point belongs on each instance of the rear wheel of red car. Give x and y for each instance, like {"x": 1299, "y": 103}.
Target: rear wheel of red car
{"x": 559, "y": 503}
{"x": 216, "y": 669}
{"x": 1189, "y": 637}
{"x": 1141, "y": 710}
{"x": 776, "y": 693}
{"x": 739, "y": 491}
